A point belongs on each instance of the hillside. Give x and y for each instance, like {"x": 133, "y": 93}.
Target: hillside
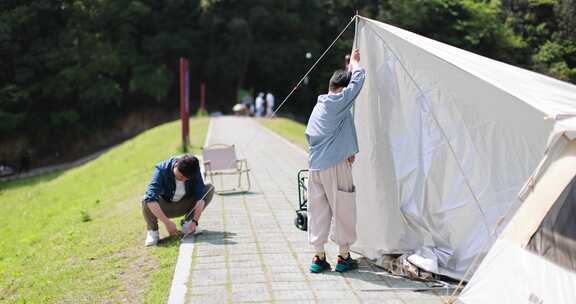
{"x": 77, "y": 236}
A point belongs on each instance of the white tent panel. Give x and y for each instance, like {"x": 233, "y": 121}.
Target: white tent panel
{"x": 447, "y": 138}
{"x": 512, "y": 275}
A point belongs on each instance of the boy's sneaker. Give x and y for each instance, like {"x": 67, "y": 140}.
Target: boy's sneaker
{"x": 318, "y": 265}
{"x": 344, "y": 265}
{"x": 152, "y": 237}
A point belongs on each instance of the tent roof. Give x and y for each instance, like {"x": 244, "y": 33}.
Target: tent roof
{"x": 548, "y": 95}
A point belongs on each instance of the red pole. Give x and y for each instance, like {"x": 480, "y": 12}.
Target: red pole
{"x": 184, "y": 107}
{"x": 202, "y": 97}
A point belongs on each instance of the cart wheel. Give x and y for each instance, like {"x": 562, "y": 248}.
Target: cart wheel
{"x": 301, "y": 220}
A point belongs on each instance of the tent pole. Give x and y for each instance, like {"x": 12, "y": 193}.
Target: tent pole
{"x": 355, "y": 44}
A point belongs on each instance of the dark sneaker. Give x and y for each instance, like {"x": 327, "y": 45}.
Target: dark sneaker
{"x": 344, "y": 265}
{"x": 318, "y": 265}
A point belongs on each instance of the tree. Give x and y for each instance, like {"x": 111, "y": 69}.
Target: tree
{"x": 472, "y": 25}
{"x": 76, "y": 65}
{"x": 547, "y": 28}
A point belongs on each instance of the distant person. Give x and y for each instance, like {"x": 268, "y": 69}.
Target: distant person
{"x": 176, "y": 189}
{"x": 269, "y": 104}
{"x": 260, "y": 105}
{"x": 333, "y": 144}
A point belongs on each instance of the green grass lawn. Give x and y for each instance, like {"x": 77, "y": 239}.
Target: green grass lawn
{"x": 77, "y": 236}
{"x": 287, "y": 128}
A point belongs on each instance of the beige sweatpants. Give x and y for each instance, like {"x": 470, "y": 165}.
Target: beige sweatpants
{"x": 332, "y": 196}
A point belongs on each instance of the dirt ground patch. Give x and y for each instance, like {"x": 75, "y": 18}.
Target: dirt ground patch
{"x": 136, "y": 277}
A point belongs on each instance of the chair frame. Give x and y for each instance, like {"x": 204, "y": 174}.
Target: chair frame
{"x": 240, "y": 169}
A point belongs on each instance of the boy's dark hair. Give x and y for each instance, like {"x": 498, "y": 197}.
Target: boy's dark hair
{"x": 340, "y": 79}
{"x": 188, "y": 165}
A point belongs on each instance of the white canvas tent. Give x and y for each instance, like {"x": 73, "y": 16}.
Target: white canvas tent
{"x": 534, "y": 259}
{"x": 447, "y": 141}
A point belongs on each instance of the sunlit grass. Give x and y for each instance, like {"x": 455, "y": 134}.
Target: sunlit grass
{"x": 291, "y": 130}
{"x": 77, "y": 236}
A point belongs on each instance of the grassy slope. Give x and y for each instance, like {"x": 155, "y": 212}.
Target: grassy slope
{"x": 50, "y": 251}
{"x": 289, "y": 129}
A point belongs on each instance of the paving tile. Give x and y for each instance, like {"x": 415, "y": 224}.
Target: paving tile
{"x": 324, "y": 277}
{"x": 209, "y": 289}
{"x": 248, "y": 278}
{"x": 210, "y": 260}
{"x": 207, "y": 298}
{"x": 198, "y": 268}
{"x": 368, "y": 285}
{"x": 294, "y": 295}
{"x": 247, "y": 271}
{"x": 286, "y": 277}
{"x": 294, "y": 286}
{"x": 203, "y": 251}
{"x": 246, "y": 257}
{"x": 336, "y": 285}
{"x": 209, "y": 277}
{"x": 243, "y": 249}
{"x": 250, "y": 292}
{"x": 411, "y": 296}
{"x": 329, "y": 293}
{"x": 386, "y": 301}
{"x": 284, "y": 268}
{"x": 254, "y": 262}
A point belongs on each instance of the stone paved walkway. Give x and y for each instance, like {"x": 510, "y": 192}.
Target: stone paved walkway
{"x": 250, "y": 250}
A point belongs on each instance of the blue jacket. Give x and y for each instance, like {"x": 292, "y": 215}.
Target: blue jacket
{"x": 330, "y": 132}
{"x": 163, "y": 183}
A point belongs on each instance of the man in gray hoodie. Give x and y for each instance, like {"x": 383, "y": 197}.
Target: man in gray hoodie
{"x": 332, "y": 141}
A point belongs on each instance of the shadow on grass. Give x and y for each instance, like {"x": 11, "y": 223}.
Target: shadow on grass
{"x": 29, "y": 181}
{"x": 170, "y": 241}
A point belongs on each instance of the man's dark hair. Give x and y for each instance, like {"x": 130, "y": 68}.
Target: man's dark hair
{"x": 188, "y": 165}
{"x": 340, "y": 79}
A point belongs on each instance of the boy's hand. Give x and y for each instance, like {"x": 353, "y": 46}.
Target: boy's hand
{"x": 351, "y": 159}
{"x": 171, "y": 227}
{"x": 355, "y": 55}
{"x": 354, "y": 60}
{"x": 191, "y": 228}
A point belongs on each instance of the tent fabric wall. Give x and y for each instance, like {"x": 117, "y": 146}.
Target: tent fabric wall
{"x": 514, "y": 273}
{"x": 447, "y": 139}
{"x": 555, "y": 239}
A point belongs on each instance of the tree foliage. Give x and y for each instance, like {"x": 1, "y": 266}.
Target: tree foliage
{"x": 70, "y": 64}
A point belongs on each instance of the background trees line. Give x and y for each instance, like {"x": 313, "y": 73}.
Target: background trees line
{"x": 68, "y": 66}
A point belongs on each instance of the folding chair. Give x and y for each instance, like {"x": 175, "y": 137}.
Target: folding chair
{"x": 221, "y": 160}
